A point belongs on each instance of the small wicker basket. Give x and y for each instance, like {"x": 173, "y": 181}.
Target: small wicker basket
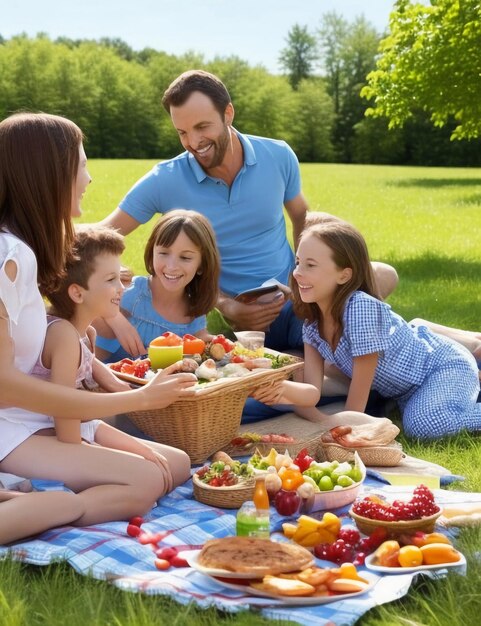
{"x": 394, "y": 529}
{"x": 207, "y": 421}
{"x": 224, "y": 497}
{"x": 381, "y": 456}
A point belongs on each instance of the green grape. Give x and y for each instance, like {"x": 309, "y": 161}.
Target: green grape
{"x": 355, "y": 474}
{"x": 345, "y": 481}
{"x": 326, "y": 484}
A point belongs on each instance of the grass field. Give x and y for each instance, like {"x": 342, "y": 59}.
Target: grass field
{"x": 424, "y": 221}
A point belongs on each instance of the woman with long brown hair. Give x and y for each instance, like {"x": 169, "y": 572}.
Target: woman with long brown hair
{"x": 43, "y": 175}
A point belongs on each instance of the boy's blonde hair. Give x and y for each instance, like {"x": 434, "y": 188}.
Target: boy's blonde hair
{"x": 89, "y": 243}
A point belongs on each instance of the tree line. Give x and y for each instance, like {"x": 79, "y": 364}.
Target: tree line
{"x": 114, "y": 94}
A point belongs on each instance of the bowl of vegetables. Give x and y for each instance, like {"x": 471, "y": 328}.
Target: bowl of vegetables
{"x": 224, "y": 484}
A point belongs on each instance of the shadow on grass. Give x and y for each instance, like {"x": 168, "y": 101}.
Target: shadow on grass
{"x": 433, "y": 267}
{"x": 433, "y": 183}
{"x": 438, "y": 288}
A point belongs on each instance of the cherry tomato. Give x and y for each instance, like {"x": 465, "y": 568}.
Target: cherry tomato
{"x": 137, "y": 520}
{"x": 162, "y": 564}
{"x": 193, "y": 344}
{"x": 178, "y": 561}
{"x": 133, "y": 530}
{"x": 227, "y": 344}
{"x": 166, "y": 553}
{"x": 167, "y": 339}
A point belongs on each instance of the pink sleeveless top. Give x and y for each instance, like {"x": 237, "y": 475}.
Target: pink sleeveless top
{"x": 84, "y": 378}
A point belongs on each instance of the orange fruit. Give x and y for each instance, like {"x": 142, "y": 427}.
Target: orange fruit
{"x": 437, "y": 553}
{"x": 410, "y": 556}
{"x": 167, "y": 339}
{"x": 387, "y": 553}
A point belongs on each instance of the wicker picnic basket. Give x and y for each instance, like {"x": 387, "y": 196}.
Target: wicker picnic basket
{"x": 207, "y": 421}
{"x": 381, "y": 456}
{"x": 306, "y": 434}
{"x": 224, "y": 497}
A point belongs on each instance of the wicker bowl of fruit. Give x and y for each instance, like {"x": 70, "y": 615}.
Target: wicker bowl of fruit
{"x": 399, "y": 517}
{"x": 224, "y": 485}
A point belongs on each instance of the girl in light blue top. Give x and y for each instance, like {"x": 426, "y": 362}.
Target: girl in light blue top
{"x": 433, "y": 379}
{"x": 183, "y": 263}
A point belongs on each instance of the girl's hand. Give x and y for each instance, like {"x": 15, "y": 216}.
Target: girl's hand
{"x": 269, "y": 394}
{"x": 127, "y": 335}
{"x": 159, "y": 460}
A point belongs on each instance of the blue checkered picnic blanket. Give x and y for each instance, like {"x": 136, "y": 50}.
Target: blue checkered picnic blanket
{"x": 106, "y": 552}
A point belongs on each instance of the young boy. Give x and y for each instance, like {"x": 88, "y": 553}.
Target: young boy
{"x": 91, "y": 288}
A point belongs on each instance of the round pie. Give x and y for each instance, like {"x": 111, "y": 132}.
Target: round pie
{"x": 253, "y": 555}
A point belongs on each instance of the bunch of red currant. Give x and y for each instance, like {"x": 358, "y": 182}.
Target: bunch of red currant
{"x": 349, "y": 547}
{"x": 166, "y": 556}
{"x": 420, "y": 505}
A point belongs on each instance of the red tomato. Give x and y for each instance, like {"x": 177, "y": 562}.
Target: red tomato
{"x": 167, "y": 339}
{"x": 178, "y": 561}
{"x": 166, "y": 553}
{"x": 117, "y": 367}
{"x": 193, "y": 345}
{"x": 127, "y": 368}
{"x": 226, "y": 343}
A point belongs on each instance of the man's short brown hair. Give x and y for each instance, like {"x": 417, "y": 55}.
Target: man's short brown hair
{"x": 178, "y": 92}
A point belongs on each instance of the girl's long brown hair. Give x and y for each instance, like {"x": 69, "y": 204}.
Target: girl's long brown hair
{"x": 203, "y": 289}
{"x": 348, "y": 249}
{"x": 39, "y": 157}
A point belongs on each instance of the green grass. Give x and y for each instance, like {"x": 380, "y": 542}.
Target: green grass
{"x": 424, "y": 221}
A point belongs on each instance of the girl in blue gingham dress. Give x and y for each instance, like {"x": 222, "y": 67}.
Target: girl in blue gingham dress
{"x": 434, "y": 380}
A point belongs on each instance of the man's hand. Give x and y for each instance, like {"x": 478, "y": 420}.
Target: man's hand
{"x": 250, "y": 316}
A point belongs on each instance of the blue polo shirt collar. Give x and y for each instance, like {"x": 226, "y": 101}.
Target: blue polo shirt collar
{"x": 249, "y": 157}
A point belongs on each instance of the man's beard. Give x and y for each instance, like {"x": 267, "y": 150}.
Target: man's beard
{"x": 220, "y": 148}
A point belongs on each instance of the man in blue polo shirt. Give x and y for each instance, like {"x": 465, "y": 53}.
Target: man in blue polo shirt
{"x": 241, "y": 183}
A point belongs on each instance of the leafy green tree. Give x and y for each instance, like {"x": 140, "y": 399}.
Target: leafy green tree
{"x": 430, "y": 62}
{"x": 309, "y": 127}
{"x": 348, "y": 52}
{"x": 299, "y": 56}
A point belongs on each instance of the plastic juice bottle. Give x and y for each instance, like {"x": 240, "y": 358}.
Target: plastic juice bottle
{"x": 252, "y": 522}
{"x": 261, "y": 498}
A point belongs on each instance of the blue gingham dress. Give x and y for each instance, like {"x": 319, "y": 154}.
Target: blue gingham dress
{"x": 434, "y": 380}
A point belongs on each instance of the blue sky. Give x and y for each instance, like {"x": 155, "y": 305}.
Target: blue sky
{"x": 254, "y": 30}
